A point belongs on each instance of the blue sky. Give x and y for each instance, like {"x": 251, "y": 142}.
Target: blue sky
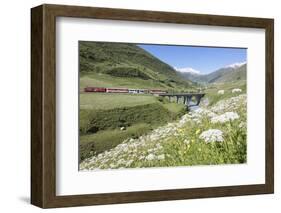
{"x": 197, "y": 59}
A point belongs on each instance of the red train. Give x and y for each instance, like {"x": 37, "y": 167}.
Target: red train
{"x": 94, "y": 89}
{"x": 124, "y": 90}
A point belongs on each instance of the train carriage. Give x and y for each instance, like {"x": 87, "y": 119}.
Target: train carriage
{"x": 138, "y": 91}
{"x": 117, "y": 90}
{"x": 94, "y": 89}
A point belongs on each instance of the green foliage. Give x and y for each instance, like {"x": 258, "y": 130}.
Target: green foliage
{"x": 232, "y": 150}
{"x": 127, "y": 72}
{"x": 92, "y": 121}
{"x": 100, "y": 123}
{"x": 93, "y": 144}
{"x": 212, "y": 91}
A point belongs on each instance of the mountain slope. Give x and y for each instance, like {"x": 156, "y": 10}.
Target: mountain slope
{"x": 223, "y": 75}
{"x": 194, "y": 77}
{"x": 232, "y": 74}
{"x": 121, "y": 60}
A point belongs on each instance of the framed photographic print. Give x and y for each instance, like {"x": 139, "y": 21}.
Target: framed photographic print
{"x": 136, "y": 106}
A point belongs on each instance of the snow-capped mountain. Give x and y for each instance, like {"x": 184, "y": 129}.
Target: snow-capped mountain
{"x": 229, "y": 73}
{"x": 187, "y": 70}
{"x": 235, "y": 65}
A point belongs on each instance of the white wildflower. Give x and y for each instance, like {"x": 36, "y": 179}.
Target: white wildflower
{"x": 150, "y": 157}
{"x": 141, "y": 157}
{"x": 184, "y": 119}
{"x": 161, "y": 157}
{"x": 242, "y": 125}
{"x": 236, "y": 90}
{"x": 121, "y": 161}
{"x": 212, "y": 135}
{"x": 158, "y": 146}
{"x": 112, "y": 165}
{"x": 151, "y": 150}
{"x": 196, "y": 120}
{"x": 197, "y": 114}
{"x": 129, "y": 163}
{"x": 228, "y": 116}
{"x": 221, "y": 92}
{"x": 230, "y": 104}
{"x": 186, "y": 141}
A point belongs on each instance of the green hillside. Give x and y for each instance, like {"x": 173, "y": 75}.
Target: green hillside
{"x": 230, "y": 75}
{"x": 125, "y": 65}
{"x": 222, "y": 75}
{"x": 106, "y": 120}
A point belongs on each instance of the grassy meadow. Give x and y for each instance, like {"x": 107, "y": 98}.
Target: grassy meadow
{"x": 212, "y": 91}
{"x": 102, "y": 116}
{"x": 106, "y": 101}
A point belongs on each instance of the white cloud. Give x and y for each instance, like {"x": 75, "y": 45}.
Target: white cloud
{"x": 236, "y": 65}
{"x": 187, "y": 70}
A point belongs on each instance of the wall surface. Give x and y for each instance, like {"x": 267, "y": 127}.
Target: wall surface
{"x": 15, "y": 105}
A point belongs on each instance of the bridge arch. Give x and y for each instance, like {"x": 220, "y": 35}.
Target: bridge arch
{"x": 186, "y": 98}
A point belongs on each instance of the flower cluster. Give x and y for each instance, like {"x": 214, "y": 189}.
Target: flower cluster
{"x": 212, "y": 135}
{"x": 228, "y": 116}
{"x": 221, "y": 92}
{"x": 231, "y": 104}
{"x": 236, "y": 90}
